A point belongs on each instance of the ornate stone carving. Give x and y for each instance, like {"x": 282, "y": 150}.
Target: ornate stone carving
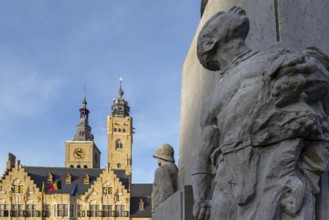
{"x": 265, "y": 128}
{"x": 165, "y": 176}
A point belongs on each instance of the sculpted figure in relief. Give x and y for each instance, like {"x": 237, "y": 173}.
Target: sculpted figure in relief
{"x": 265, "y": 128}
{"x": 165, "y": 176}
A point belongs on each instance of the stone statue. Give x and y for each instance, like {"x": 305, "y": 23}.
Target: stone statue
{"x": 165, "y": 176}
{"x": 203, "y": 6}
{"x": 265, "y": 128}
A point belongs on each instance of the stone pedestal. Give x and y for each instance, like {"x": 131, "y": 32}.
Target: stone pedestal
{"x": 177, "y": 207}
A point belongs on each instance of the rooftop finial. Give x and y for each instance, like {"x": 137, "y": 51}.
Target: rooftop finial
{"x": 120, "y": 90}
{"x": 84, "y": 101}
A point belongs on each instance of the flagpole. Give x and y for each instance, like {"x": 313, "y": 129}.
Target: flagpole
{"x": 62, "y": 203}
{"x": 11, "y": 204}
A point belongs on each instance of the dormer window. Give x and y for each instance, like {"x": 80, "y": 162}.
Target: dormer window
{"x": 141, "y": 205}
{"x": 68, "y": 178}
{"x": 50, "y": 177}
{"x": 86, "y": 178}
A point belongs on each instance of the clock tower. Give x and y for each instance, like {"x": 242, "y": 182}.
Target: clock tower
{"x": 82, "y": 151}
{"x": 120, "y": 135}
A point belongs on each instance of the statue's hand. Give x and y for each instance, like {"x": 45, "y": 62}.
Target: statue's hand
{"x": 201, "y": 210}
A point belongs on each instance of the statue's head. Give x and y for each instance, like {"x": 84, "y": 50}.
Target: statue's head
{"x": 219, "y": 30}
{"x": 165, "y": 152}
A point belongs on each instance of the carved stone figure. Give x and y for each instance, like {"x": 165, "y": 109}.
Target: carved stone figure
{"x": 165, "y": 176}
{"x": 265, "y": 128}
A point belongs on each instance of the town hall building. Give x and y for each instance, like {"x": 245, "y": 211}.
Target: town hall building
{"x": 81, "y": 189}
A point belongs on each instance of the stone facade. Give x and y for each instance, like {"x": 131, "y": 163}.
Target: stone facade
{"x": 119, "y": 132}
{"x": 80, "y": 190}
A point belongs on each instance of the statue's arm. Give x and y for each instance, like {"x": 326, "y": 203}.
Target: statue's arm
{"x": 202, "y": 173}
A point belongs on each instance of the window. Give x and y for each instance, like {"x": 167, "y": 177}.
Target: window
{"x": 115, "y": 129}
{"x": 72, "y": 210}
{"x": 124, "y": 130}
{"x": 61, "y": 210}
{"x": 16, "y": 210}
{"x": 3, "y": 210}
{"x": 119, "y": 210}
{"x": 94, "y": 211}
{"x": 78, "y": 166}
{"x": 118, "y": 145}
{"x": 118, "y": 165}
{"x": 46, "y": 211}
{"x": 80, "y": 212}
{"x": 30, "y": 211}
{"x": 107, "y": 211}
{"x": 85, "y": 166}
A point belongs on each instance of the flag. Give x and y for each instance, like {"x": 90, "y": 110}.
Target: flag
{"x": 55, "y": 186}
{"x": 43, "y": 188}
{"x": 74, "y": 190}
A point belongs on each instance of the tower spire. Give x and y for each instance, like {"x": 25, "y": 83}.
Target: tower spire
{"x": 120, "y": 107}
{"x": 84, "y": 112}
{"x": 84, "y": 130}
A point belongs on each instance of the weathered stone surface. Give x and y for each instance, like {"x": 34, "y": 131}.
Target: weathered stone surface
{"x": 265, "y": 127}
{"x": 165, "y": 176}
{"x": 177, "y": 207}
{"x": 297, "y": 23}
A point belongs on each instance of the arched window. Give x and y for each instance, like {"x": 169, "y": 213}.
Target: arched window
{"x": 78, "y": 166}
{"x": 118, "y": 145}
{"x": 72, "y": 166}
{"x": 118, "y": 165}
{"x": 85, "y": 166}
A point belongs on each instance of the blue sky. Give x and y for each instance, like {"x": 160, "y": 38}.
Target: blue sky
{"x": 50, "y": 49}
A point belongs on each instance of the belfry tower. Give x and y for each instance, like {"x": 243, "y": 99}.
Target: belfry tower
{"x": 120, "y": 135}
{"x": 82, "y": 152}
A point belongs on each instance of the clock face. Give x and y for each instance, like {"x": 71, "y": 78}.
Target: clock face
{"x": 78, "y": 153}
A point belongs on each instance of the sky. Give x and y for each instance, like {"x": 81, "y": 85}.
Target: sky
{"x": 50, "y": 50}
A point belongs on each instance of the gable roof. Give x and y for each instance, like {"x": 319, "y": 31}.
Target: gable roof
{"x": 39, "y": 175}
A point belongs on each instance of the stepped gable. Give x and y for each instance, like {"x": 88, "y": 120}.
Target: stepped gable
{"x": 123, "y": 178}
